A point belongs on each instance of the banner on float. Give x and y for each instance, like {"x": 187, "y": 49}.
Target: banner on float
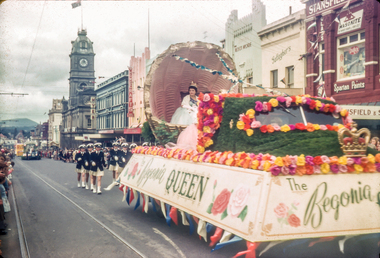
{"x": 256, "y": 205}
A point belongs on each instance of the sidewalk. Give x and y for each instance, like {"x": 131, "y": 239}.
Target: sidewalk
{"x": 10, "y": 242}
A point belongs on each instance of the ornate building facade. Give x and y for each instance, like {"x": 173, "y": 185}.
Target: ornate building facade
{"x": 77, "y": 116}
{"x": 55, "y": 122}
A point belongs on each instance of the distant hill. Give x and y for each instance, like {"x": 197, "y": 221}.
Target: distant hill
{"x": 19, "y": 123}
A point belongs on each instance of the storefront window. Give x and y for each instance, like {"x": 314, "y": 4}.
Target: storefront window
{"x": 351, "y": 56}
{"x": 290, "y": 76}
{"x": 322, "y": 60}
{"x": 274, "y": 78}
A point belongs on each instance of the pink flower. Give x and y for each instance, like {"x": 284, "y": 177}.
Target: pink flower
{"x": 275, "y": 170}
{"x": 317, "y": 169}
{"x": 292, "y": 169}
{"x": 261, "y": 166}
{"x": 288, "y": 101}
{"x": 256, "y": 124}
{"x": 323, "y": 127}
{"x": 293, "y": 159}
{"x": 259, "y": 106}
{"x": 337, "y": 109}
{"x": 245, "y": 95}
{"x": 265, "y": 107}
{"x": 296, "y": 203}
{"x": 292, "y": 127}
{"x": 221, "y": 202}
{"x": 334, "y": 168}
{"x": 285, "y": 170}
{"x": 238, "y": 200}
{"x": 332, "y": 99}
{"x": 241, "y": 117}
{"x": 309, "y": 160}
{"x": 325, "y": 159}
{"x": 349, "y": 120}
{"x": 294, "y": 221}
{"x": 280, "y": 99}
{"x": 304, "y": 100}
{"x": 206, "y": 97}
{"x": 350, "y": 161}
{"x": 276, "y": 127}
{"x": 343, "y": 168}
{"x": 322, "y": 106}
{"x": 281, "y": 210}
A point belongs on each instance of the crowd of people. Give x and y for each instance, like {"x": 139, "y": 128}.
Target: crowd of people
{"x": 374, "y": 143}
{"x": 6, "y": 169}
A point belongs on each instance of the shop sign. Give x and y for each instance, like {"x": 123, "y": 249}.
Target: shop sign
{"x": 132, "y": 131}
{"x": 351, "y": 22}
{"x": 354, "y": 86}
{"x": 237, "y": 49}
{"x": 279, "y": 56}
{"x": 130, "y": 96}
{"x": 321, "y": 6}
{"x": 256, "y": 205}
{"x": 86, "y": 137}
{"x": 106, "y": 131}
{"x": 363, "y": 112}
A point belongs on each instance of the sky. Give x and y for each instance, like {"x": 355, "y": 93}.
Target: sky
{"x": 35, "y": 40}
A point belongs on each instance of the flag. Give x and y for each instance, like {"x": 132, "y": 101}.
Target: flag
{"x": 337, "y": 19}
{"x": 76, "y": 4}
{"x": 346, "y": 5}
{"x": 283, "y": 80}
{"x": 314, "y": 24}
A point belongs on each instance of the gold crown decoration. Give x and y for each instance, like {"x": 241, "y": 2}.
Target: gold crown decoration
{"x": 354, "y": 142}
{"x": 193, "y": 84}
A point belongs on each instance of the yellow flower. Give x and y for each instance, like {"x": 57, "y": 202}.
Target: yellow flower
{"x": 279, "y": 162}
{"x": 250, "y": 113}
{"x": 216, "y": 98}
{"x": 210, "y": 111}
{"x": 343, "y": 112}
{"x": 209, "y": 142}
{"x": 318, "y": 104}
{"x": 255, "y": 164}
{"x": 325, "y": 168}
{"x": 285, "y": 128}
{"x": 206, "y": 129}
{"x": 240, "y": 125}
{"x": 371, "y": 158}
{"x": 342, "y": 160}
{"x": 216, "y": 119}
{"x": 222, "y": 104}
{"x": 340, "y": 126}
{"x": 307, "y": 96}
{"x": 249, "y": 132}
{"x": 273, "y": 102}
{"x": 316, "y": 126}
{"x": 301, "y": 160}
{"x": 298, "y": 100}
{"x": 200, "y": 149}
{"x": 266, "y": 165}
{"x": 229, "y": 161}
{"x": 358, "y": 168}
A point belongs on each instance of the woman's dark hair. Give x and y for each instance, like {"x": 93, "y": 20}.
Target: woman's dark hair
{"x": 192, "y": 87}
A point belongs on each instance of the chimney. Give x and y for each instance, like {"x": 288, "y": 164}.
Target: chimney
{"x": 290, "y": 10}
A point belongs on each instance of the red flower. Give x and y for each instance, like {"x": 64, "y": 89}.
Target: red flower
{"x": 317, "y": 160}
{"x": 269, "y": 105}
{"x": 312, "y": 104}
{"x": 330, "y": 128}
{"x": 246, "y": 119}
{"x": 347, "y": 140}
{"x": 309, "y": 169}
{"x": 350, "y": 168}
{"x": 247, "y": 126}
{"x": 211, "y": 96}
{"x": 264, "y": 129}
{"x": 239, "y": 95}
{"x": 332, "y": 108}
{"x": 361, "y": 140}
{"x": 221, "y": 202}
{"x": 300, "y": 126}
{"x": 200, "y": 96}
{"x": 294, "y": 221}
{"x": 293, "y": 98}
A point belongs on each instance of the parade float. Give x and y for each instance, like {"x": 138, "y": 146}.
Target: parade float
{"x": 267, "y": 168}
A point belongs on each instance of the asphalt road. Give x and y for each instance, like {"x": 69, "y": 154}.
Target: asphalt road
{"x": 62, "y": 220}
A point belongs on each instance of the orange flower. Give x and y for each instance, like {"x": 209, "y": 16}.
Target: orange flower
{"x": 270, "y": 128}
{"x": 286, "y": 161}
{"x": 310, "y": 127}
{"x": 301, "y": 170}
{"x": 334, "y": 160}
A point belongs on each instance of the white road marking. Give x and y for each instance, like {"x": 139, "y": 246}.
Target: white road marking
{"x": 88, "y": 214}
{"x": 170, "y": 241}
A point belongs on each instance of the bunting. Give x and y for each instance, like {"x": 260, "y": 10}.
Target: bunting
{"x": 191, "y": 224}
{"x": 202, "y": 229}
{"x": 235, "y": 239}
{"x": 138, "y": 200}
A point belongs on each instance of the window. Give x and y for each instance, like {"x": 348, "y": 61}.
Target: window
{"x": 274, "y": 78}
{"x": 290, "y": 76}
{"x": 250, "y": 81}
{"x": 322, "y": 60}
{"x": 280, "y": 115}
{"x": 351, "y": 56}
{"x": 89, "y": 122}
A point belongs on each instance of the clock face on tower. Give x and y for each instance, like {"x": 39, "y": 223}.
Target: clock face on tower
{"x": 83, "y": 62}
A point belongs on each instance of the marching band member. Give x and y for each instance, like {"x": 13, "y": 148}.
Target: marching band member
{"x": 114, "y": 160}
{"x": 97, "y": 167}
{"x": 124, "y": 157}
{"x": 87, "y": 164}
{"x": 79, "y": 158}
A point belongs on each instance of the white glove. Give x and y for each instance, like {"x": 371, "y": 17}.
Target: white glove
{"x": 86, "y": 164}
{"x": 93, "y": 164}
{"x": 123, "y": 159}
{"x": 79, "y": 159}
{"x": 116, "y": 158}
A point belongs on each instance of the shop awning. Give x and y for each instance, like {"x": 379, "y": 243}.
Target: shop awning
{"x": 367, "y": 111}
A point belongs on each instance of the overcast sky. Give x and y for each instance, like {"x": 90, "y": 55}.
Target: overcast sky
{"x": 35, "y": 40}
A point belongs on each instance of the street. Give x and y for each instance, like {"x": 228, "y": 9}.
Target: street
{"x": 62, "y": 220}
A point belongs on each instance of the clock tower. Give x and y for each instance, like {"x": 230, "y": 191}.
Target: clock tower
{"x": 78, "y": 114}
{"x": 82, "y": 74}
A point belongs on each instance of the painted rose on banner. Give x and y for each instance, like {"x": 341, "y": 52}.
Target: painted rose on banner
{"x": 287, "y": 216}
{"x": 233, "y": 203}
{"x": 133, "y": 171}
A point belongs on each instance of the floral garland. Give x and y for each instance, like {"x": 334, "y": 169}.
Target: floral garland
{"x": 210, "y": 114}
{"x": 288, "y": 165}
